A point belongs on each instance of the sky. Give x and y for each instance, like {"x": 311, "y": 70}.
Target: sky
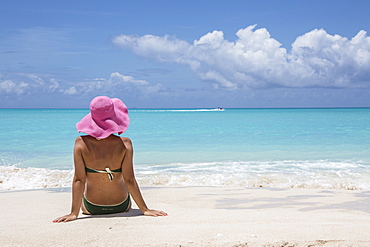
{"x": 185, "y": 54}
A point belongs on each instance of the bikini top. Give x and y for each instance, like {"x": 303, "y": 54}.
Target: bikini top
{"x": 107, "y": 171}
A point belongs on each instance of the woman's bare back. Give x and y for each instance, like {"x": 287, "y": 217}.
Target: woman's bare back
{"x": 99, "y": 155}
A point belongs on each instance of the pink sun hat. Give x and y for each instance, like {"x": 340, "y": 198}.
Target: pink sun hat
{"x": 107, "y": 116}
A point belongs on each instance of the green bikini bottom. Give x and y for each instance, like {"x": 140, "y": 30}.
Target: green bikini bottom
{"x": 107, "y": 209}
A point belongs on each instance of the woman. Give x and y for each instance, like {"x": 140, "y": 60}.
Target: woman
{"x": 104, "y": 176}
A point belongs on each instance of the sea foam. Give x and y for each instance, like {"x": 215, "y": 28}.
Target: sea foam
{"x": 14, "y": 178}
{"x": 322, "y": 174}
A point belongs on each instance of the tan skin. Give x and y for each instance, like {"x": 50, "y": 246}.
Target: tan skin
{"x": 114, "y": 152}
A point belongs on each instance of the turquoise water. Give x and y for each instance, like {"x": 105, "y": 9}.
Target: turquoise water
{"x": 314, "y": 148}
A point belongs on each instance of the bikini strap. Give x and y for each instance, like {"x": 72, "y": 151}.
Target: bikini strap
{"x": 107, "y": 171}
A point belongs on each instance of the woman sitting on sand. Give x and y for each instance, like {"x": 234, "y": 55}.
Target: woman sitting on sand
{"x": 103, "y": 163}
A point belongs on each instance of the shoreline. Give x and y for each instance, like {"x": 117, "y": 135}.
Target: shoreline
{"x": 248, "y": 176}
{"x": 198, "y": 216}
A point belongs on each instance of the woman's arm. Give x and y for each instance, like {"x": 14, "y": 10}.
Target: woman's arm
{"x": 131, "y": 183}
{"x": 78, "y": 184}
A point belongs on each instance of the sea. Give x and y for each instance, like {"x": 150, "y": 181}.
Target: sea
{"x": 325, "y": 148}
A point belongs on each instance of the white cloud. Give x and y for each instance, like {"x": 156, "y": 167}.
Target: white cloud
{"x": 118, "y": 78}
{"x": 71, "y": 91}
{"x": 10, "y": 87}
{"x": 98, "y": 79}
{"x": 23, "y": 83}
{"x": 36, "y": 79}
{"x": 165, "y": 49}
{"x": 129, "y": 86}
{"x": 26, "y": 83}
{"x": 54, "y": 85}
{"x": 115, "y": 84}
{"x": 255, "y": 60}
{"x": 331, "y": 60}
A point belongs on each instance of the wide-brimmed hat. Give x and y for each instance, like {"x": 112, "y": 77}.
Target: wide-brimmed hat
{"x": 107, "y": 116}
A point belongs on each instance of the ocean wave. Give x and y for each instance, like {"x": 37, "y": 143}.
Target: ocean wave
{"x": 322, "y": 174}
{"x": 14, "y": 178}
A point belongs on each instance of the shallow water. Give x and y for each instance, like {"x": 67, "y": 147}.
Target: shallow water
{"x": 313, "y": 148}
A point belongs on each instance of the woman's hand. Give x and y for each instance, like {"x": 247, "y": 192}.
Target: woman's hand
{"x": 154, "y": 213}
{"x": 65, "y": 218}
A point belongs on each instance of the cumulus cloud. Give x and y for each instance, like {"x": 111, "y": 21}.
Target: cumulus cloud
{"x": 70, "y": 91}
{"x": 10, "y": 87}
{"x": 25, "y": 83}
{"x": 116, "y": 78}
{"x": 256, "y": 60}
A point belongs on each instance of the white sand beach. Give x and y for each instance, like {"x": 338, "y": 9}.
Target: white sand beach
{"x": 198, "y": 216}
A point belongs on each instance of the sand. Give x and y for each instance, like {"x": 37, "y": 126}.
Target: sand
{"x": 198, "y": 216}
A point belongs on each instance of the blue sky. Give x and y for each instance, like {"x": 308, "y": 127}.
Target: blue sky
{"x": 173, "y": 54}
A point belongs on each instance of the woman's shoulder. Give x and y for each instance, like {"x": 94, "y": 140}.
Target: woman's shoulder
{"x": 127, "y": 142}
{"x": 79, "y": 139}
{"x": 82, "y": 139}
{"x": 80, "y": 143}
{"x": 126, "y": 139}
